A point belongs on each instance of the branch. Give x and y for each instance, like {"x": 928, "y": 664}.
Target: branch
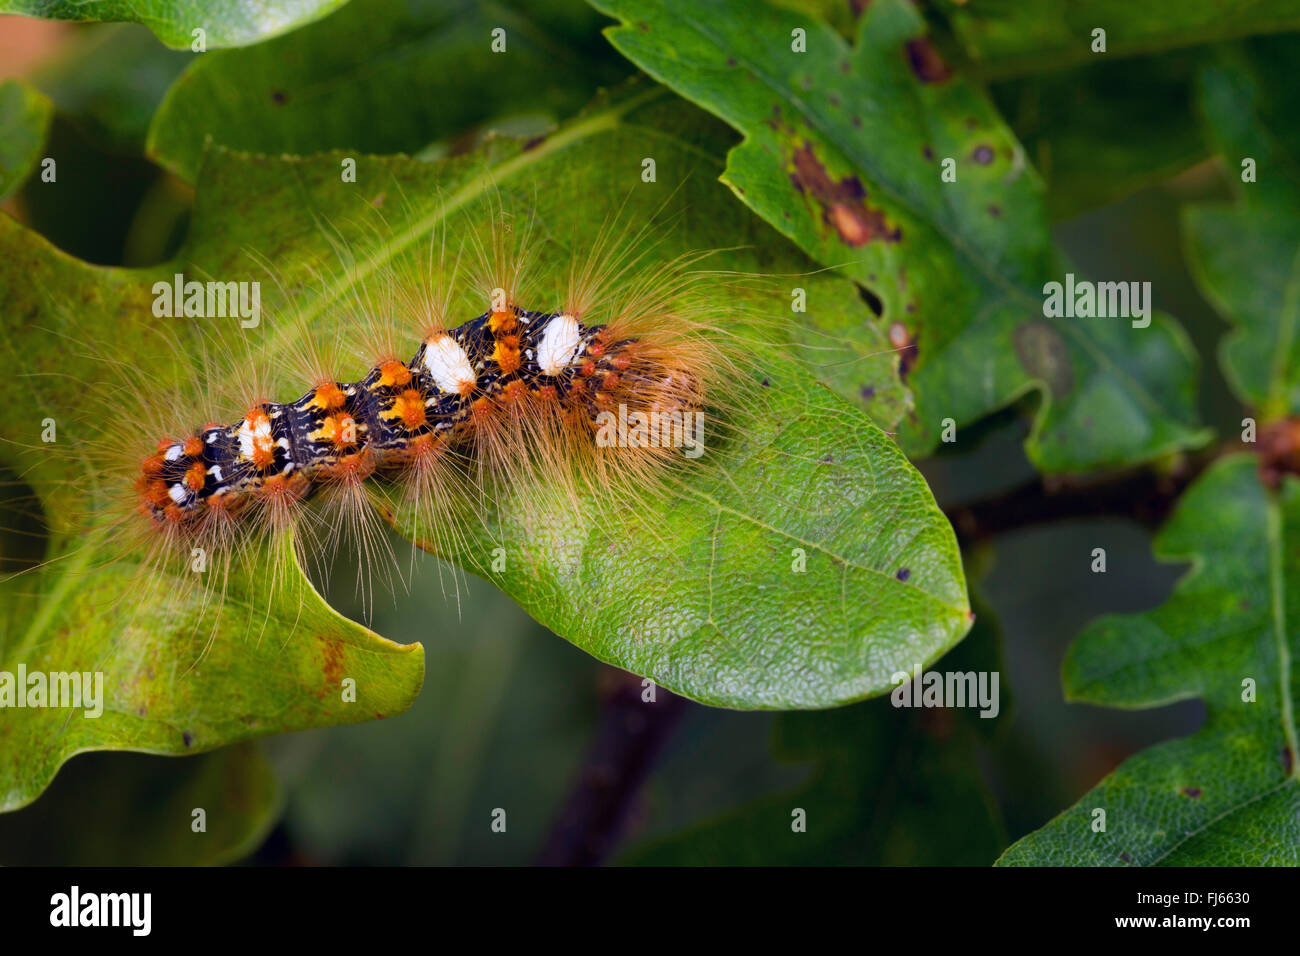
{"x": 1144, "y": 496}
{"x": 628, "y": 739}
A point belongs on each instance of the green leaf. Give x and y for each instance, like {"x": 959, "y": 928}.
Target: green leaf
{"x": 1077, "y": 127}
{"x": 842, "y": 152}
{"x": 731, "y": 625}
{"x": 175, "y": 678}
{"x": 1244, "y": 256}
{"x": 223, "y": 22}
{"x": 137, "y": 810}
{"x": 24, "y": 120}
{"x": 1009, "y": 37}
{"x": 380, "y": 77}
{"x": 694, "y": 590}
{"x": 886, "y": 787}
{"x": 1228, "y": 794}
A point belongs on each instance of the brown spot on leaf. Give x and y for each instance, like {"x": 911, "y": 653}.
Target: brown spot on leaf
{"x": 1193, "y": 792}
{"x": 926, "y": 62}
{"x": 279, "y": 97}
{"x": 1043, "y": 354}
{"x": 778, "y": 123}
{"x": 843, "y": 203}
{"x": 901, "y": 339}
{"x": 982, "y": 155}
{"x": 1288, "y": 760}
{"x": 331, "y": 666}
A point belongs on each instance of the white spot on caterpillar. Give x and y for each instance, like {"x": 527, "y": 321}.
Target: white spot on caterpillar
{"x": 254, "y": 437}
{"x": 176, "y": 493}
{"x": 447, "y": 362}
{"x": 173, "y": 453}
{"x": 559, "y": 344}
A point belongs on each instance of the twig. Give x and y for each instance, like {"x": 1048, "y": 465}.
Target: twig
{"x": 1144, "y": 496}
{"x": 631, "y": 734}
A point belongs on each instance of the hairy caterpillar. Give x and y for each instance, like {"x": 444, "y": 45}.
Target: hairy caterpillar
{"x": 603, "y": 395}
{"x": 544, "y": 370}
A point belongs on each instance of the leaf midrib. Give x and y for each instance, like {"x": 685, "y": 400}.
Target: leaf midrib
{"x": 816, "y": 546}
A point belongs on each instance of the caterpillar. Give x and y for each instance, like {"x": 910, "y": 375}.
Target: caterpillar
{"x": 547, "y": 369}
{"x": 516, "y": 402}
